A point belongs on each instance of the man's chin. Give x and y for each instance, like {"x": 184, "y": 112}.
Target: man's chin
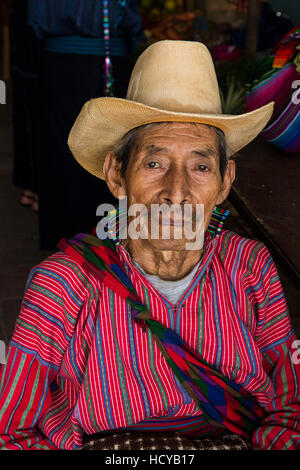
{"x": 174, "y": 244}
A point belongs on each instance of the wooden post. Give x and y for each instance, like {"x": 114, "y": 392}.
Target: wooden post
{"x": 6, "y": 52}
{"x": 252, "y": 27}
{"x": 5, "y": 12}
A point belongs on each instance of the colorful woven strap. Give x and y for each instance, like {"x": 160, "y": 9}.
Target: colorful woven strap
{"x": 108, "y": 76}
{"x": 224, "y": 403}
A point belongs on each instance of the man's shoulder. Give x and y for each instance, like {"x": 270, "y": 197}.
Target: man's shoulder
{"x": 61, "y": 269}
{"x": 246, "y": 251}
{"x": 236, "y": 241}
{"x": 58, "y": 296}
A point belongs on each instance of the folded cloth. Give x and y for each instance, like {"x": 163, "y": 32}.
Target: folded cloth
{"x": 161, "y": 441}
{"x": 279, "y": 84}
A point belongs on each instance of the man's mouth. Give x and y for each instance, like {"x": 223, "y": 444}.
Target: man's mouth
{"x": 177, "y": 218}
{"x": 174, "y": 223}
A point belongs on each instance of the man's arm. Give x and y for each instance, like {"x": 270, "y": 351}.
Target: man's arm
{"x": 280, "y": 429}
{"x": 24, "y": 398}
{"x": 30, "y": 398}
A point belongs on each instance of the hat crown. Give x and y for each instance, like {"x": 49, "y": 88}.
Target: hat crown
{"x": 177, "y": 76}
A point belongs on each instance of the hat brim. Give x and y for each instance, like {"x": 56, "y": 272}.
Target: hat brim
{"x": 102, "y": 122}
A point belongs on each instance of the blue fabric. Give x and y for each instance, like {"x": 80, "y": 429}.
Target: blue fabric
{"x": 56, "y": 18}
{"x": 86, "y": 46}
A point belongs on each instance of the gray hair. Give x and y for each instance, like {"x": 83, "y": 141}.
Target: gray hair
{"x": 129, "y": 141}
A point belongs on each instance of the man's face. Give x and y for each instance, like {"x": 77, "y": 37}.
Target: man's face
{"x": 175, "y": 163}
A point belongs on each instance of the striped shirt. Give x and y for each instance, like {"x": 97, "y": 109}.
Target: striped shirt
{"x": 77, "y": 364}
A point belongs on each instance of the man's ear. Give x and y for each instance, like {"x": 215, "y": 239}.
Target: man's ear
{"x": 111, "y": 171}
{"x": 229, "y": 178}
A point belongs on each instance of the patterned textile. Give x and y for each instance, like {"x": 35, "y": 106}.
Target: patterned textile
{"x": 223, "y": 402}
{"x": 78, "y": 364}
{"x": 285, "y": 50}
{"x": 162, "y": 441}
{"x": 284, "y": 132}
{"x": 278, "y": 85}
{"x": 274, "y": 85}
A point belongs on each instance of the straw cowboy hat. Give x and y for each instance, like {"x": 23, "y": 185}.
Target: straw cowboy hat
{"x": 171, "y": 81}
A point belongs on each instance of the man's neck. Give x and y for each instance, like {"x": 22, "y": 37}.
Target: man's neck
{"x": 169, "y": 265}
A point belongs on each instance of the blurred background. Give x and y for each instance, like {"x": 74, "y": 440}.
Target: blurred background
{"x": 54, "y": 56}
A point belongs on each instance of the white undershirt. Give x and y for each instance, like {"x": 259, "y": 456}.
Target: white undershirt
{"x": 172, "y": 290}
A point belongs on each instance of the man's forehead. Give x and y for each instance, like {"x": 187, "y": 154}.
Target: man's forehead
{"x": 171, "y": 131}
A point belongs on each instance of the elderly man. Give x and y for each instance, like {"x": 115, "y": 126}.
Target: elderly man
{"x": 144, "y": 333}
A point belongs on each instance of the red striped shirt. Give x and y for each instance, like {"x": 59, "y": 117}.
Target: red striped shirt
{"x": 77, "y": 363}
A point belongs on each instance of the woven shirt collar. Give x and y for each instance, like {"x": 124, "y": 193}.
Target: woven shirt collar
{"x": 210, "y": 239}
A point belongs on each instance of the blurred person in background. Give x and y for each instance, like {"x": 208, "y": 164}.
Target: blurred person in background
{"x": 26, "y": 51}
{"x": 87, "y": 54}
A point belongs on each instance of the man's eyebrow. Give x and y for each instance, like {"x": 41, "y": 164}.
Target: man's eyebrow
{"x": 152, "y": 149}
{"x": 207, "y": 152}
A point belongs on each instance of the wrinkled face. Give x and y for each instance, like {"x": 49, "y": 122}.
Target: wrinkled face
{"x": 173, "y": 163}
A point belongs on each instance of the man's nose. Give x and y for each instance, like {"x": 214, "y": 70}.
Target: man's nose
{"x": 176, "y": 188}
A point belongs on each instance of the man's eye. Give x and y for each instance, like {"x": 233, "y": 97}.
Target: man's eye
{"x": 153, "y": 164}
{"x": 202, "y": 168}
